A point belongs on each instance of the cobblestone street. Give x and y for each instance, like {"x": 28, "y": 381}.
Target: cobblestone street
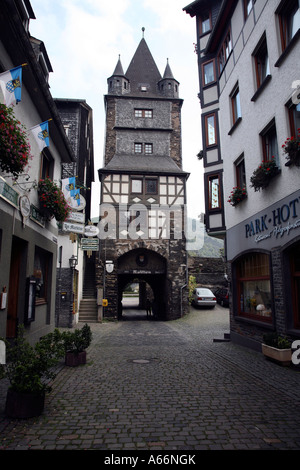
{"x": 165, "y": 386}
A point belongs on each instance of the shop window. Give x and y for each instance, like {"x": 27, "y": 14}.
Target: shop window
{"x": 289, "y": 21}
{"x": 270, "y": 144}
{"x": 208, "y": 72}
{"x": 261, "y": 62}
{"x": 254, "y": 288}
{"x": 214, "y": 194}
{"x": 41, "y": 273}
{"x": 211, "y": 129}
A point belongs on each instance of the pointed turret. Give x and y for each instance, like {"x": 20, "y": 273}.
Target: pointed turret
{"x": 143, "y": 72}
{"x": 118, "y": 83}
{"x": 168, "y": 86}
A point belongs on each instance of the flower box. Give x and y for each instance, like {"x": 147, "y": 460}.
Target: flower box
{"x": 263, "y": 174}
{"x": 281, "y": 356}
{"x": 237, "y": 195}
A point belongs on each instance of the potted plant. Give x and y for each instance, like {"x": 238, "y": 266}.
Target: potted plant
{"x": 52, "y": 200}
{"x": 292, "y": 149}
{"x": 14, "y": 145}
{"x": 29, "y": 370}
{"x": 237, "y": 195}
{"x": 75, "y": 343}
{"x": 277, "y": 348}
{"x": 263, "y": 174}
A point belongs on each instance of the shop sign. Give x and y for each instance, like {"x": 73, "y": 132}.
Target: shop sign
{"x": 76, "y": 217}
{"x": 70, "y": 227}
{"x": 25, "y": 208}
{"x": 90, "y": 244}
{"x": 276, "y": 223}
{"x": 91, "y": 231}
{"x": 267, "y": 229}
{"x": 8, "y": 193}
{"x": 37, "y": 216}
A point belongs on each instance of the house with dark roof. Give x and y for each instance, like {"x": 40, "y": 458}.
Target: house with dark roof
{"x": 143, "y": 190}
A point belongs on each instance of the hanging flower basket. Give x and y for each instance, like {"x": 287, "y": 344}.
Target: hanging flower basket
{"x": 237, "y": 195}
{"x": 291, "y": 148}
{"x": 263, "y": 174}
{"x": 14, "y": 145}
{"x": 52, "y": 201}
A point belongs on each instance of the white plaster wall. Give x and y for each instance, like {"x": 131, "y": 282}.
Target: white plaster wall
{"x": 256, "y": 116}
{"x": 27, "y": 114}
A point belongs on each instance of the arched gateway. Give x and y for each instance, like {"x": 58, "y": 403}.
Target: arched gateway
{"x": 142, "y": 206}
{"x": 149, "y": 269}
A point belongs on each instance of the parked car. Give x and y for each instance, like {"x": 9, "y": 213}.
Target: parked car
{"x": 222, "y": 296}
{"x": 203, "y": 297}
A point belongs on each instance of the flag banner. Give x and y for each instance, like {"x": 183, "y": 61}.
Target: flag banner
{"x": 11, "y": 85}
{"x": 68, "y": 185}
{"x": 75, "y": 194}
{"x": 41, "y": 134}
{"x": 71, "y": 193}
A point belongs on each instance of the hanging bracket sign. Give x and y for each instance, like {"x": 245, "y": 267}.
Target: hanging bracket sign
{"x": 90, "y": 244}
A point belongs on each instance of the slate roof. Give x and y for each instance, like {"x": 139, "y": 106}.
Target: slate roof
{"x": 143, "y": 71}
{"x": 143, "y": 164}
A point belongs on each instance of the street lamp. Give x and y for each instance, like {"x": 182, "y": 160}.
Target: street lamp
{"x": 73, "y": 262}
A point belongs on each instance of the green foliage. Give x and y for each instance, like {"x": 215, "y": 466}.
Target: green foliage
{"x": 192, "y": 285}
{"x": 29, "y": 367}
{"x": 77, "y": 340}
{"x": 276, "y": 341}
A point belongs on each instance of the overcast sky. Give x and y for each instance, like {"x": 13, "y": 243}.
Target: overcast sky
{"x": 84, "y": 38}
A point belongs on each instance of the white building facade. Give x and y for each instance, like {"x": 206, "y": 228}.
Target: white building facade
{"x": 253, "y": 48}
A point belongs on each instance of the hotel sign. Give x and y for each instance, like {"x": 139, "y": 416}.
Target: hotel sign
{"x": 269, "y": 228}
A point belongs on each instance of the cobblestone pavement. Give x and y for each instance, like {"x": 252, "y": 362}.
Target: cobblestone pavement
{"x": 165, "y": 386}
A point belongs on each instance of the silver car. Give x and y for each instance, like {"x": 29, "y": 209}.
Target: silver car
{"x": 203, "y": 297}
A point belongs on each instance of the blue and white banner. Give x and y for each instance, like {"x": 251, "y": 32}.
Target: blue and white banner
{"x": 41, "y": 134}
{"x": 11, "y": 85}
{"x": 71, "y": 193}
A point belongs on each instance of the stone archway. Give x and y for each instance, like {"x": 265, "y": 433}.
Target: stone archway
{"x": 147, "y": 266}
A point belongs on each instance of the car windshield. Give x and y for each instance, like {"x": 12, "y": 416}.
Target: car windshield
{"x": 204, "y": 292}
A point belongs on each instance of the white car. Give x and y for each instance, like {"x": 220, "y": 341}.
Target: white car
{"x": 203, "y": 297}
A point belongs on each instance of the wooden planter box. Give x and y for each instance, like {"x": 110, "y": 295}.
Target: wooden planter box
{"x": 73, "y": 359}
{"x": 281, "y": 356}
{"x": 23, "y": 405}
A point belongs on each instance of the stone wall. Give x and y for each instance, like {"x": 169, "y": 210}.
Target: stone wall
{"x": 209, "y": 272}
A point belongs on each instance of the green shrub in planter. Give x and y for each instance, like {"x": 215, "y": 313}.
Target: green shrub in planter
{"x": 29, "y": 370}
{"x": 75, "y": 343}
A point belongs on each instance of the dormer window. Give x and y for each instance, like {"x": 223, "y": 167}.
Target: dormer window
{"x": 143, "y": 88}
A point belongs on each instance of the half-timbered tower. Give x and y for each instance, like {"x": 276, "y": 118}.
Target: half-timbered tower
{"x": 143, "y": 197}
